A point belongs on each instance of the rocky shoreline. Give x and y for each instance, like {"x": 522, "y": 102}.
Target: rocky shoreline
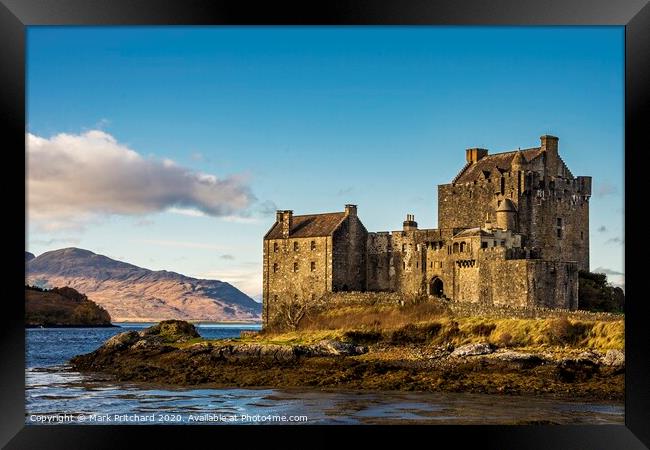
{"x": 172, "y": 352}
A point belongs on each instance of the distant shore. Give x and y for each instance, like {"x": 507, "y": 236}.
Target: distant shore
{"x": 192, "y": 321}
{"x": 70, "y": 326}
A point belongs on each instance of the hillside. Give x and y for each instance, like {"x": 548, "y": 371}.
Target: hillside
{"x": 62, "y": 307}
{"x": 129, "y": 292}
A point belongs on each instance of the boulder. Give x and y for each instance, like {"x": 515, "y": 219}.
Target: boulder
{"x": 122, "y": 340}
{"x": 172, "y": 331}
{"x": 614, "y": 358}
{"x": 481, "y": 348}
{"x": 335, "y": 348}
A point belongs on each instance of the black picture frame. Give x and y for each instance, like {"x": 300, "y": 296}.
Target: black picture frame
{"x": 16, "y": 15}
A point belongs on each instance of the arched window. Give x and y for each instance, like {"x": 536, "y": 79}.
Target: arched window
{"x": 455, "y": 247}
{"x": 462, "y": 247}
{"x": 275, "y": 267}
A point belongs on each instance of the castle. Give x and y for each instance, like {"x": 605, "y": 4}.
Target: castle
{"x": 513, "y": 229}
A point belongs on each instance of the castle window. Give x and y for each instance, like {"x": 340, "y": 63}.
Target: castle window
{"x": 559, "y": 221}
{"x": 275, "y": 298}
{"x": 295, "y": 267}
{"x": 295, "y": 297}
{"x": 582, "y": 236}
{"x": 559, "y": 227}
{"x": 431, "y": 265}
{"x": 484, "y": 244}
{"x": 275, "y": 267}
{"x": 462, "y": 247}
{"x": 403, "y": 247}
{"x": 503, "y": 243}
{"x": 440, "y": 264}
{"x": 296, "y": 246}
{"x": 313, "y": 245}
{"x": 417, "y": 264}
{"x": 313, "y": 266}
{"x": 275, "y": 247}
{"x": 313, "y": 297}
{"x": 559, "y": 233}
{"x": 503, "y": 185}
{"x": 403, "y": 265}
{"x": 455, "y": 247}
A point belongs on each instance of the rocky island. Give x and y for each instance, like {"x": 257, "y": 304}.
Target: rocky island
{"x": 62, "y": 307}
{"x": 419, "y": 347}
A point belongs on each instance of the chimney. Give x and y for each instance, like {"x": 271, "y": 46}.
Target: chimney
{"x": 549, "y": 143}
{"x": 474, "y": 154}
{"x": 285, "y": 219}
{"x": 350, "y": 210}
{"x": 410, "y": 224}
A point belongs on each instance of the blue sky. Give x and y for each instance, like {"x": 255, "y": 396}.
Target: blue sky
{"x": 302, "y": 118}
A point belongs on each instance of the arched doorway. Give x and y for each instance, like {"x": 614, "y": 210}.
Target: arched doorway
{"x": 436, "y": 287}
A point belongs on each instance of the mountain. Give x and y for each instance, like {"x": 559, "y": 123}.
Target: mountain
{"x": 129, "y": 292}
{"x": 29, "y": 256}
{"x": 62, "y": 307}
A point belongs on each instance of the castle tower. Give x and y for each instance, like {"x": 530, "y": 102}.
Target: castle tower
{"x": 549, "y": 147}
{"x": 506, "y": 215}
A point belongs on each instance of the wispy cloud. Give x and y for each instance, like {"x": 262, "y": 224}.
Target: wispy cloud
{"x": 76, "y": 178}
{"x": 56, "y": 241}
{"x": 345, "y": 191}
{"x": 604, "y": 189}
{"x": 198, "y": 156}
{"x": 227, "y": 257}
{"x": 602, "y": 229}
{"x": 186, "y": 212}
{"x": 248, "y": 281}
{"x": 144, "y": 223}
{"x": 615, "y": 240}
{"x": 266, "y": 208}
{"x": 607, "y": 271}
{"x": 179, "y": 244}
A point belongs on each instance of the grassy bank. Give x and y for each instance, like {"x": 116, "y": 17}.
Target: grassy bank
{"x": 433, "y": 324}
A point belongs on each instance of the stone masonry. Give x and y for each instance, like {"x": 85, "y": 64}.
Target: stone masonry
{"x": 513, "y": 230}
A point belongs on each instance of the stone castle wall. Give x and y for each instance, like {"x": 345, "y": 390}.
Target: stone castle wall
{"x": 349, "y": 256}
{"x": 285, "y": 283}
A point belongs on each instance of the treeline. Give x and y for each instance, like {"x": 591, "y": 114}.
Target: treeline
{"x": 595, "y": 294}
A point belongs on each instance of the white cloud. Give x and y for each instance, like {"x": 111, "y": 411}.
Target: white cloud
{"x": 247, "y": 281}
{"x": 76, "y": 178}
{"x": 186, "y": 212}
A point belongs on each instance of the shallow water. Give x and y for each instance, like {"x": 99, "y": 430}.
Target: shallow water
{"x": 56, "y": 394}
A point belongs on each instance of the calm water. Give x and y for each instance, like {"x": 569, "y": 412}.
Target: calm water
{"x": 56, "y": 394}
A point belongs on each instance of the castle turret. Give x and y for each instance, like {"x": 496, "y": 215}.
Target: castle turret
{"x": 550, "y": 148}
{"x": 410, "y": 224}
{"x": 506, "y": 215}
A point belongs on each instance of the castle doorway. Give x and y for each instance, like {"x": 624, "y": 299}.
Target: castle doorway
{"x": 436, "y": 287}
